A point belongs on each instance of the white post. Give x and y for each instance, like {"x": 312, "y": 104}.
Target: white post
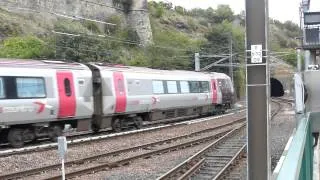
{"x": 197, "y": 61}
{"x": 62, "y": 168}
{"x": 306, "y": 59}
{"x": 299, "y": 60}
{"x": 62, "y": 149}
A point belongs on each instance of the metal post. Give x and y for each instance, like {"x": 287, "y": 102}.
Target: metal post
{"x": 230, "y": 59}
{"x": 313, "y": 57}
{"x": 298, "y": 60}
{"x": 197, "y": 61}
{"x": 257, "y": 89}
{"x": 306, "y": 59}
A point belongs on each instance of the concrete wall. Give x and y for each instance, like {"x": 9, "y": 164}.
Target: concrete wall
{"x": 137, "y": 18}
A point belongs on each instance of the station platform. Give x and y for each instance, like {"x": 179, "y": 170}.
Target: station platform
{"x": 316, "y": 163}
{"x": 301, "y": 159}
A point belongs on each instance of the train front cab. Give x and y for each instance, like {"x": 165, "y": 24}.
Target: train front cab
{"x": 38, "y": 100}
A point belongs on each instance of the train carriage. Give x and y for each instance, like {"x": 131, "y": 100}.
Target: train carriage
{"x": 38, "y": 98}
{"x": 131, "y": 95}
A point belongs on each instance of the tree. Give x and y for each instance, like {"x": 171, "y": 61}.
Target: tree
{"x": 25, "y": 47}
{"x": 180, "y": 10}
{"x": 223, "y": 12}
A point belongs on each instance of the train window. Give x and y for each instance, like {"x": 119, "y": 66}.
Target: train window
{"x": 194, "y": 86}
{"x": 2, "y": 94}
{"x": 184, "y": 86}
{"x": 172, "y": 87}
{"x": 30, "y": 87}
{"x": 205, "y": 87}
{"x": 157, "y": 87}
{"x": 67, "y": 87}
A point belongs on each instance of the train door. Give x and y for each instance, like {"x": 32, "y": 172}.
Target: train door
{"x": 214, "y": 91}
{"x": 66, "y": 91}
{"x": 120, "y": 93}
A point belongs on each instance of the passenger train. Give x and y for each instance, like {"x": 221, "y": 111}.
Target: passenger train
{"x": 40, "y": 97}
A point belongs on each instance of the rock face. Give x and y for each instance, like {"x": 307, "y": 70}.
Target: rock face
{"x": 136, "y": 17}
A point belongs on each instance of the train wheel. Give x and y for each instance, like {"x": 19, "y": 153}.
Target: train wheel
{"x": 138, "y": 122}
{"x": 15, "y": 138}
{"x": 117, "y": 125}
{"x": 28, "y": 135}
{"x": 54, "y": 132}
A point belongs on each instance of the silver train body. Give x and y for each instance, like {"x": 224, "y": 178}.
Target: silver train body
{"x": 38, "y": 98}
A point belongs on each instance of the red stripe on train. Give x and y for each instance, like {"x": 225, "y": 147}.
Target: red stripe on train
{"x": 121, "y": 96}
{"x": 66, "y": 91}
{"x": 214, "y": 91}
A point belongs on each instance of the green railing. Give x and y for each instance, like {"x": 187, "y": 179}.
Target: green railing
{"x": 297, "y": 160}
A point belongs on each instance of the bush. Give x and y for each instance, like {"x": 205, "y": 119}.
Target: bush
{"x": 192, "y": 24}
{"x": 92, "y": 26}
{"x": 69, "y": 27}
{"x": 179, "y": 10}
{"x": 114, "y": 20}
{"x": 159, "y": 11}
{"x": 24, "y": 47}
{"x": 239, "y": 82}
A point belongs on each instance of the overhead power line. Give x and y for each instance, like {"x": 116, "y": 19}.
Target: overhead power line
{"x": 98, "y": 36}
{"x": 81, "y": 18}
{"x": 111, "y": 38}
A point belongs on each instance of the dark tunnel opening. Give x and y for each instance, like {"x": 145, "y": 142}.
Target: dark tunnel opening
{"x": 276, "y": 88}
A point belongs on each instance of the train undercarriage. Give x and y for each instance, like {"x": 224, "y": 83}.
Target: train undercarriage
{"x": 18, "y": 135}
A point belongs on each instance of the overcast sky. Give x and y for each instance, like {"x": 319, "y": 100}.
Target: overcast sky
{"x": 282, "y": 10}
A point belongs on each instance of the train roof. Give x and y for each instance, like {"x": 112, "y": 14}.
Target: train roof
{"x": 134, "y": 69}
{"x": 55, "y": 64}
{"x": 41, "y": 64}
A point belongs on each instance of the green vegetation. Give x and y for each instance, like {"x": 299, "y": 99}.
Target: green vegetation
{"x": 177, "y": 34}
{"x": 24, "y": 47}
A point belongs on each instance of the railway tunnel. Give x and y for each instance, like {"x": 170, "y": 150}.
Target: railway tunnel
{"x": 277, "y": 89}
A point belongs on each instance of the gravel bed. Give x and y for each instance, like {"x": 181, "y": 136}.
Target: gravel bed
{"x": 131, "y": 154}
{"x": 282, "y": 127}
{"x": 16, "y": 163}
{"x": 239, "y": 171}
{"x": 146, "y": 168}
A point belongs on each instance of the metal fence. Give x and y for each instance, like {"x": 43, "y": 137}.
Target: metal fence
{"x": 297, "y": 160}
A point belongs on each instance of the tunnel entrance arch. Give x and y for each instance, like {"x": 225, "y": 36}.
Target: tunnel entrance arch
{"x": 276, "y": 88}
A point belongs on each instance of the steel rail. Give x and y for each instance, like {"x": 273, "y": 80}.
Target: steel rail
{"x": 95, "y": 157}
{"x": 114, "y": 164}
{"x": 152, "y": 127}
{"x": 194, "y": 162}
{"x": 230, "y": 163}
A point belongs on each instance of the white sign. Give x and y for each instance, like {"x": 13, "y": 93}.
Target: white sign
{"x": 256, "y": 53}
{"x": 62, "y": 148}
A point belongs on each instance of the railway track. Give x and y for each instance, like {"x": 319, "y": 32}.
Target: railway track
{"x": 81, "y": 139}
{"x": 276, "y": 110}
{"x": 279, "y": 103}
{"x": 223, "y": 159}
{"x": 213, "y": 160}
{"x": 114, "y": 159}
{"x": 236, "y": 170}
